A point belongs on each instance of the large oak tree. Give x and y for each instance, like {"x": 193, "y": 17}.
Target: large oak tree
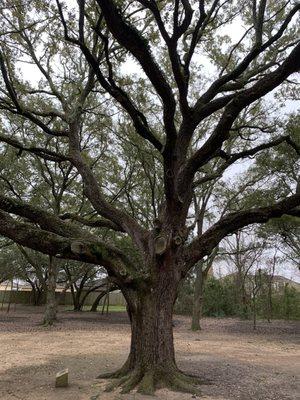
{"x": 188, "y": 119}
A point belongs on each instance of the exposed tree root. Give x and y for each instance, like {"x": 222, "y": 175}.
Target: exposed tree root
{"x": 133, "y": 380}
{"x": 147, "y": 381}
{"x": 48, "y": 323}
{"x": 124, "y": 370}
{"x": 119, "y": 382}
{"x": 147, "y": 384}
{"x": 182, "y": 383}
{"x": 194, "y": 379}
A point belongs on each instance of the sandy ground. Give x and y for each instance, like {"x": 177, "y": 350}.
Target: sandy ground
{"x": 241, "y": 364}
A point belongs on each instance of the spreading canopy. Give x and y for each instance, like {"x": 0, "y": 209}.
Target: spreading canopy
{"x": 189, "y": 112}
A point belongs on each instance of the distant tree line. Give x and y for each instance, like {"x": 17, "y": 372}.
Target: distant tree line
{"x": 221, "y": 299}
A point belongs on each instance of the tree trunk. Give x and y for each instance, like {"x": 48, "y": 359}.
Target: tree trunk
{"x": 73, "y": 293}
{"x": 198, "y": 299}
{"x": 76, "y": 294}
{"x": 151, "y": 361}
{"x": 270, "y": 303}
{"x": 245, "y": 313}
{"x": 77, "y": 306}
{"x": 51, "y": 303}
{"x": 254, "y": 312}
{"x": 36, "y": 293}
{"x": 104, "y": 304}
{"x": 97, "y": 301}
{"x": 3, "y": 298}
{"x": 85, "y": 296}
{"x": 39, "y": 296}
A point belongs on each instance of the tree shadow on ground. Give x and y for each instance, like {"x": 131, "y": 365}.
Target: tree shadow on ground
{"x": 230, "y": 379}
{"x": 28, "y": 320}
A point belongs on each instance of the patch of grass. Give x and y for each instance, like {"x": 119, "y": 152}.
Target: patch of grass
{"x": 118, "y": 308}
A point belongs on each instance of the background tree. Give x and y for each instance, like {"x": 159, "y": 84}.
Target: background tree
{"x": 282, "y": 176}
{"x": 82, "y": 280}
{"x": 104, "y": 288}
{"x": 8, "y": 264}
{"x": 185, "y": 118}
{"x": 242, "y": 253}
{"x": 33, "y": 267}
{"x": 269, "y": 281}
{"x": 202, "y": 271}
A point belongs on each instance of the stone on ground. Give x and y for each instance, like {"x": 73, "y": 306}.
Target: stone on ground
{"x": 62, "y": 378}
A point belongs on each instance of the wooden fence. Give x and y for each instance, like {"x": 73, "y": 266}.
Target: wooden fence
{"x": 26, "y": 297}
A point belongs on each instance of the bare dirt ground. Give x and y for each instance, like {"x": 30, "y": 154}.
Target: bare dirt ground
{"x": 241, "y": 364}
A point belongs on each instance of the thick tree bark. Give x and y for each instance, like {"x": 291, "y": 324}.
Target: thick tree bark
{"x": 151, "y": 361}
{"x": 51, "y": 302}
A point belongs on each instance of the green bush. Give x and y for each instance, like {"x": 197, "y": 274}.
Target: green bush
{"x": 218, "y": 298}
{"x": 221, "y": 300}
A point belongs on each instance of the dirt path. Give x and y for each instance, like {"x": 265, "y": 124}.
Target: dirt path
{"x": 241, "y": 364}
